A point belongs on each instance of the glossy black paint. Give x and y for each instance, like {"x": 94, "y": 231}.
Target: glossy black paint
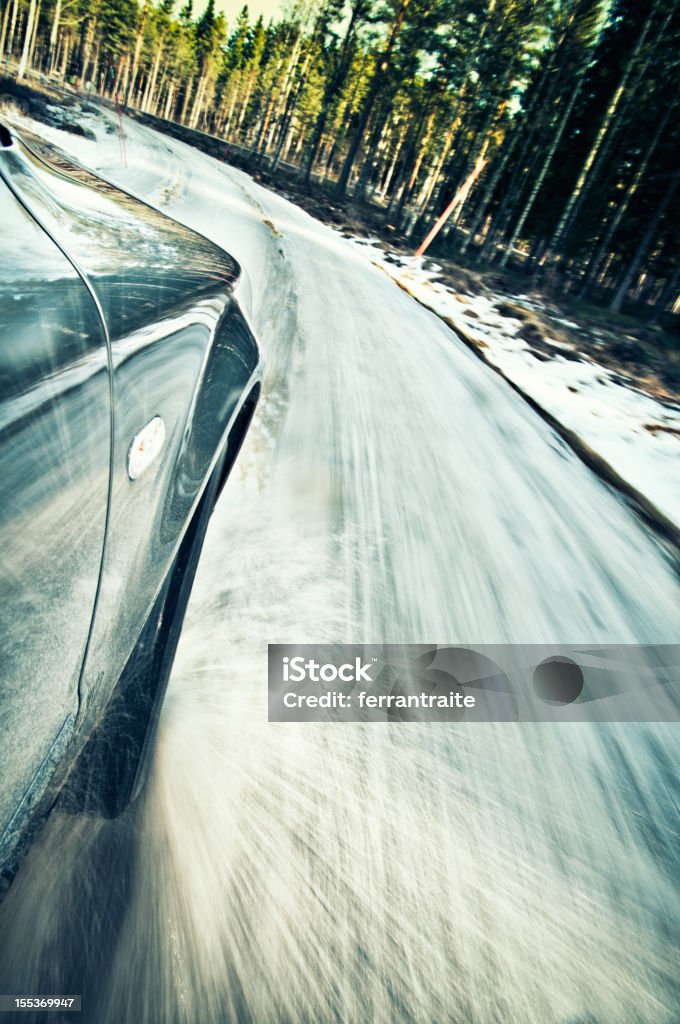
{"x": 110, "y": 314}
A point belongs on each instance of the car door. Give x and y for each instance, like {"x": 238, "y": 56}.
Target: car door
{"x": 182, "y": 357}
{"x": 55, "y": 451}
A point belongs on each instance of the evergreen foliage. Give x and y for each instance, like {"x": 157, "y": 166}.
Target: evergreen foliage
{"x": 554, "y": 120}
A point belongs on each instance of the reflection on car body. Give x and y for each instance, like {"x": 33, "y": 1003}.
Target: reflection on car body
{"x": 112, "y": 317}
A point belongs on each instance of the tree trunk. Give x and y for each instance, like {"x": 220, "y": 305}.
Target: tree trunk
{"x": 65, "y": 56}
{"x": 28, "y": 37}
{"x": 3, "y": 34}
{"x": 151, "y": 81}
{"x": 12, "y": 29}
{"x": 369, "y": 101}
{"x": 34, "y": 40}
{"x": 54, "y": 34}
{"x": 390, "y": 170}
{"x": 408, "y": 175}
{"x": 244, "y": 103}
{"x": 579, "y": 191}
{"x": 139, "y": 39}
{"x": 668, "y": 296}
{"x": 263, "y": 126}
{"x": 486, "y": 135}
{"x": 87, "y": 49}
{"x": 622, "y": 208}
{"x": 198, "y": 100}
{"x": 536, "y": 187}
{"x": 433, "y": 182}
{"x": 281, "y": 101}
{"x": 288, "y": 111}
{"x": 187, "y": 97}
{"x": 458, "y": 200}
{"x": 169, "y": 103}
{"x": 372, "y": 149}
{"x": 633, "y": 270}
{"x": 230, "y": 99}
{"x": 334, "y": 85}
{"x": 483, "y": 206}
{"x": 121, "y": 82}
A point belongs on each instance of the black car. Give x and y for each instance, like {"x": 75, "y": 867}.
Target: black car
{"x": 129, "y": 376}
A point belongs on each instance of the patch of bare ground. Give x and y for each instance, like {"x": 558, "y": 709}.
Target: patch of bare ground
{"x": 46, "y": 105}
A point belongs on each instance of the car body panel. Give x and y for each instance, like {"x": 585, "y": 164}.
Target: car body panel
{"x": 180, "y": 349}
{"x": 55, "y": 439}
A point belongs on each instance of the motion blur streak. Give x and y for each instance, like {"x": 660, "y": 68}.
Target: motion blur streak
{"x": 391, "y": 489}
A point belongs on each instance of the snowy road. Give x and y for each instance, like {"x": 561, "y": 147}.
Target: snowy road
{"x": 392, "y": 489}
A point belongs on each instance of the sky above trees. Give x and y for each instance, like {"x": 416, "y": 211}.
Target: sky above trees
{"x": 231, "y": 8}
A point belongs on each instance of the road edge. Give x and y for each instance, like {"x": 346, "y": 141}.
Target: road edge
{"x": 665, "y": 529}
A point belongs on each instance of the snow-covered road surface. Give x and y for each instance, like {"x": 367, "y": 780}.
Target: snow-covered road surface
{"x": 393, "y": 489}
{"x": 636, "y": 434}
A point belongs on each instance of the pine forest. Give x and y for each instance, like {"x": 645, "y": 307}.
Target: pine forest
{"x": 540, "y": 136}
